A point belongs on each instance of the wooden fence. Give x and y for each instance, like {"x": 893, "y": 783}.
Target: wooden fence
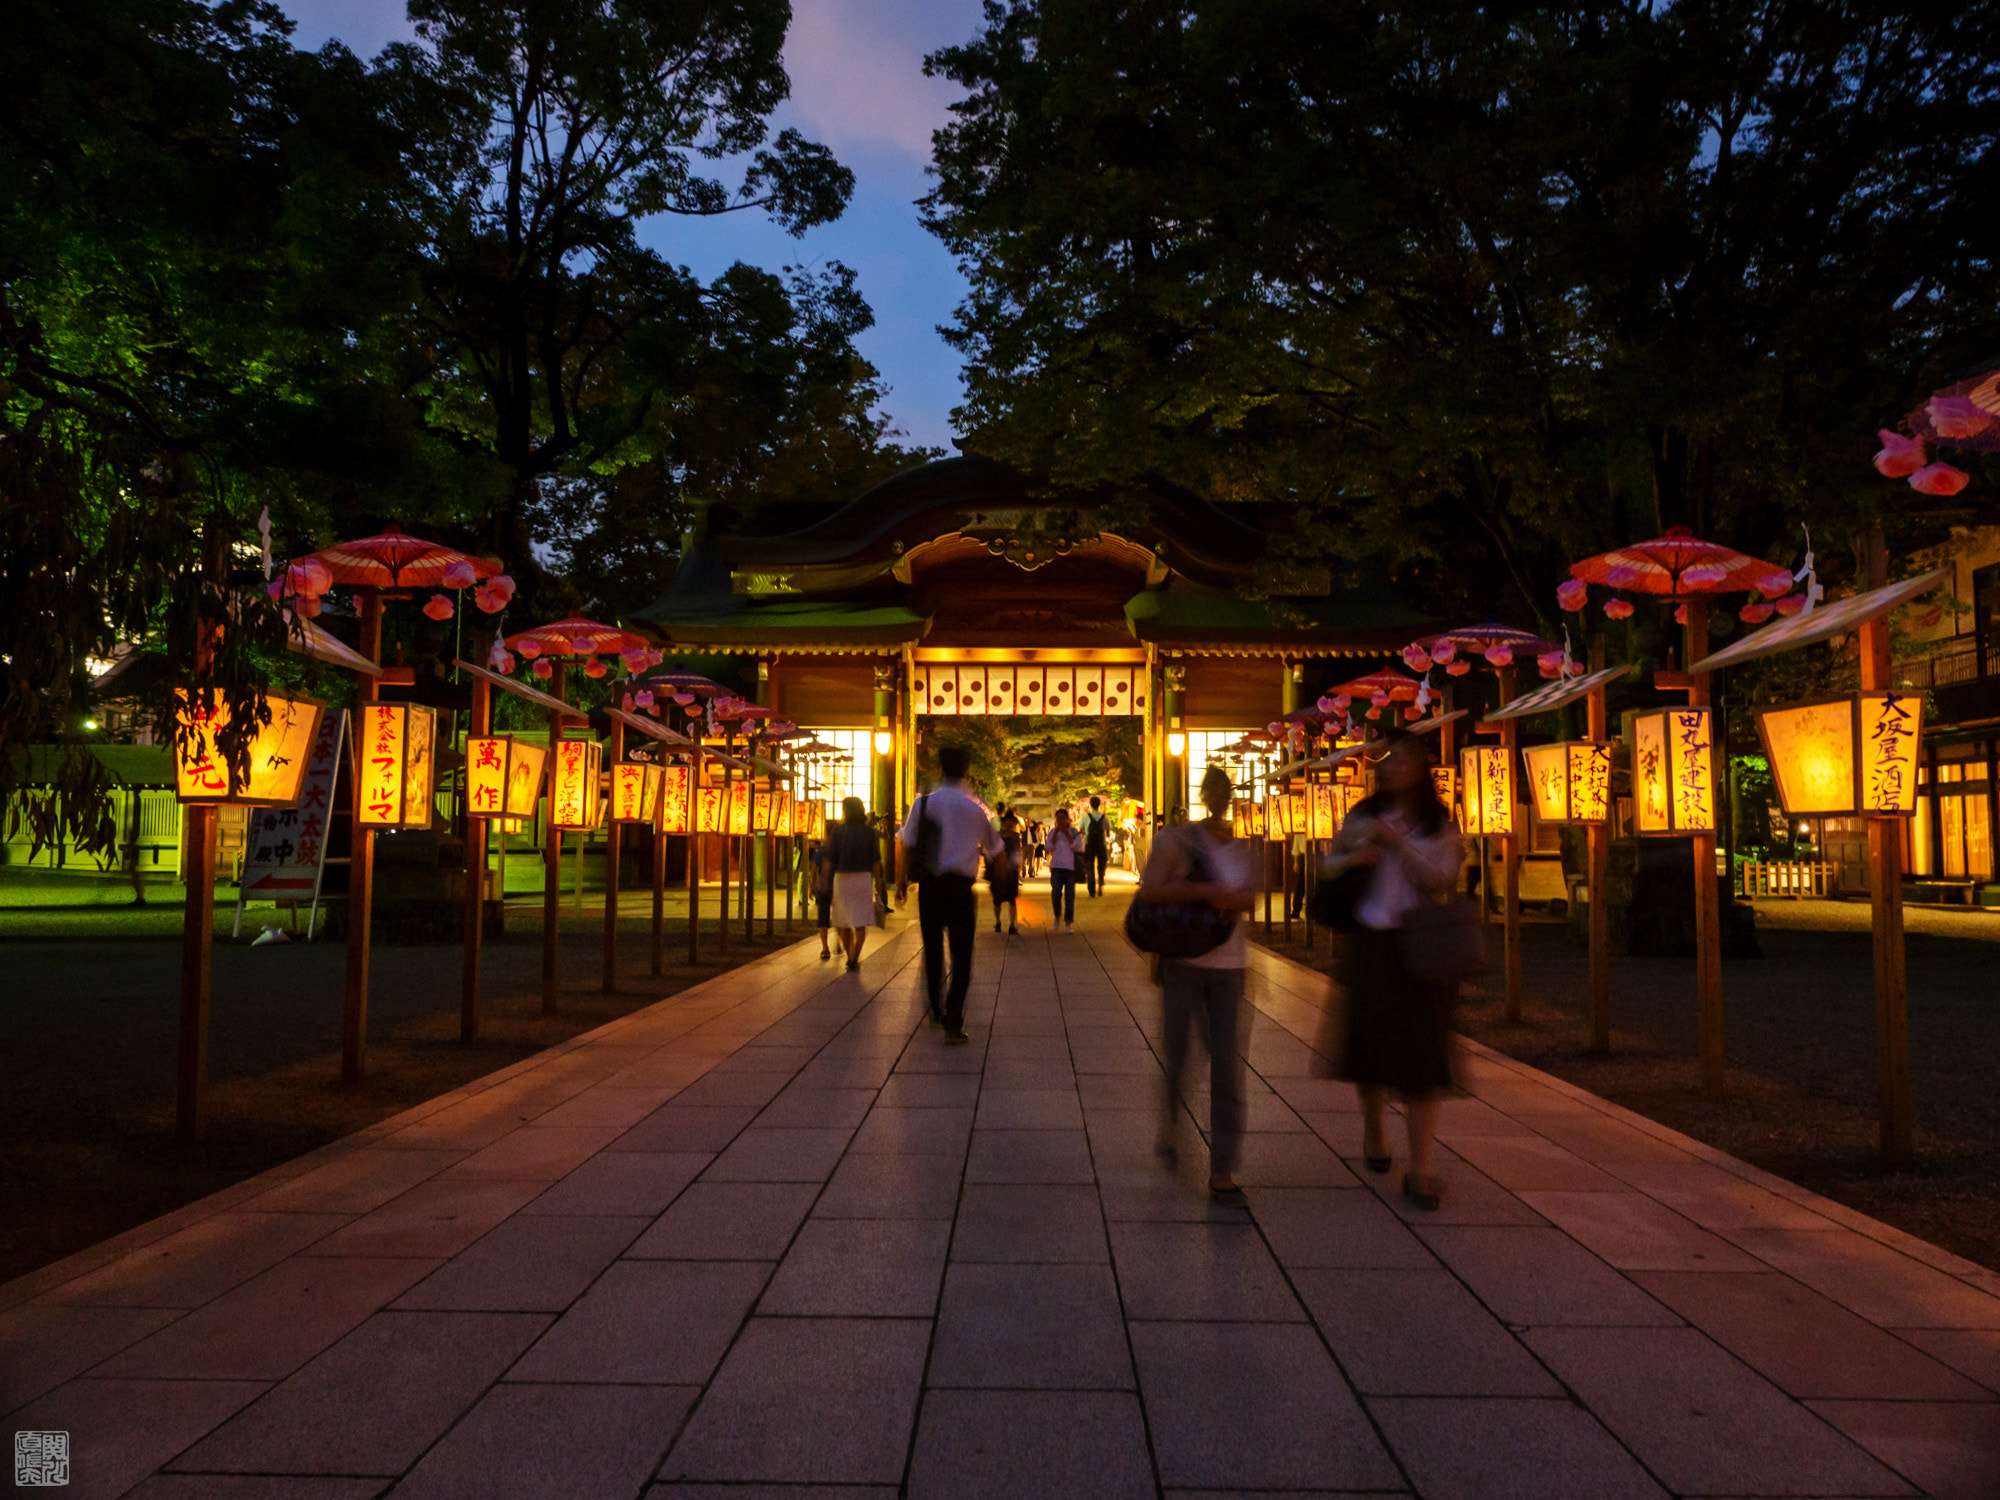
{"x": 1798, "y": 879}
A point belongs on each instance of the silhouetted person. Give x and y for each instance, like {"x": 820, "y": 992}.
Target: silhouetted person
{"x": 1096, "y": 846}
{"x": 946, "y": 832}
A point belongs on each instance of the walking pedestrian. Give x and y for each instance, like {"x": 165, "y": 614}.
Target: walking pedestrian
{"x": 1206, "y": 862}
{"x": 1065, "y": 846}
{"x": 822, "y": 889}
{"x": 1398, "y": 1028}
{"x": 857, "y": 862}
{"x": 946, "y": 832}
{"x": 1003, "y": 871}
{"x": 1096, "y": 846}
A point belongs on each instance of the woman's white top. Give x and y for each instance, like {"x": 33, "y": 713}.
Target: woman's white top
{"x": 1406, "y": 873}
{"x": 1233, "y": 863}
{"x": 1062, "y": 844}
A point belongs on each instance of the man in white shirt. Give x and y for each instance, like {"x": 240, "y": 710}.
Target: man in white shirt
{"x": 960, "y": 830}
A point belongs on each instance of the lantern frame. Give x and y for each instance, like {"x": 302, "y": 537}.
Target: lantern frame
{"x": 710, "y": 808}
{"x": 1564, "y": 768}
{"x": 523, "y": 767}
{"x": 576, "y": 786}
{"x": 675, "y": 812}
{"x": 1676, "y": 799}
{"x": 395, "y": 779}
{"x": 279, "y": 754}
{"x": 1322, "y": 815}
{"x": 635, "y": 792}
{"x": 1853, "y": 758}
{"x": 1486, "y": 784}
{"x": 739, "y": 809}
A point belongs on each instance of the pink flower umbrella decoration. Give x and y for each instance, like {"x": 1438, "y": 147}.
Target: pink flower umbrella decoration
{"x": 1900, "y": 456}
{"x": 1791, "y": 604}
{"x": 1458, "y": 668}
{"x": 1957, "y": 417}
{"x": 1756, "y": 614}
{"x": 439, "y": 607}
{"x": 1572, "y": 594}
{"x": 1618, "y": 609}
{"x": 1939, "y": 479}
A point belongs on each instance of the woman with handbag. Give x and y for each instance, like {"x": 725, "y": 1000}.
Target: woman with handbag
{"x": 857, "y": 862}
{"x": 1399, "y": 1015}
{"x": 1205, "y": 865}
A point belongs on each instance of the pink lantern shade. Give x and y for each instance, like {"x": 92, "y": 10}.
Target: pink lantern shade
{"x": 1939, "y": 479}
{"x": 1756, "y": 614}
{"x": 1416, "y": 658}
{"x": 1444, "y": 651}
{"x": 1617, "y": 609}
{"x": 1458, "y": 668}
{"x": 1791, "y": 604}
{"x": 438, "y": 607}
{"x": 460, "y": 574}
{"x": 1957, "y": 417}
{"x": 1900, "y": 456}
{"x": 593, "y": 668}
{"x": 530, "y": 648}
{"x": 1572, "y": 594}
{"x": 543, "y": 668}
{"x": 1500, "y": 656}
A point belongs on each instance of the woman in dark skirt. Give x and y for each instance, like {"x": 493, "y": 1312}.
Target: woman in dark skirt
{"x": 1398, "y": 1033}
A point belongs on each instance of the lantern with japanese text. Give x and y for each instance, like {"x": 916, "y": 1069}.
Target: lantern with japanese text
{"x": 396, "y": 760}
{"x": 818, "y": 829}
{"x": 1486, "y": 774}
{"x": 676, "y": 785}
{"x": 783, "y": 824}
{"x": 739, "y": 808}
{"x": 1673, "y": 771}
{"x": 635, "y": 792}
{"x": 1322, "y": 817}
{"x": 503, "y": 777}
{"x": 1445, "y": 779}
{"x": 279, "y": 752}
{"x": 1854, "y": 756}
{"x": 710, "y": 808}
{"x": 576, "y": 796}
{"x": 1570, "y": 781}
{"x": 763, "y": 809}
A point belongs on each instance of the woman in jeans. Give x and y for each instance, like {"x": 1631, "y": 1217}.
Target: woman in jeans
{"x": 857, "y": 861}
{"x": 1398, "y": 1032}
{"x": 1206, "y": 862}
{"x": 1064, "y": 844}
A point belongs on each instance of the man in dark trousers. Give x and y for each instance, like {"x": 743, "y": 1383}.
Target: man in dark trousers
{"x": 946, "y": 832}
{"x": 1096, "y": 846}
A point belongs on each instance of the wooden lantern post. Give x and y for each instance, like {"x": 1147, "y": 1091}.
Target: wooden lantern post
{"x": 1707, "y": 900}
{"x": 198, "y": 917}
{"x": 694, "y": 850}
{"x": 479, "y": 723}
{"x": 1598, "y": 842}
{"x": 614, "y": 842}
{"x": 361, "y": 866}
{"x": 1885, "y": 877}
{"x": 1510, "y": 741}
{"x": 659, "y": 951}
{"x": 552, "y": 859}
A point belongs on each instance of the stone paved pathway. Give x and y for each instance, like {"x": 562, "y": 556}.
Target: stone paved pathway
{"x": 773, "y": 1233}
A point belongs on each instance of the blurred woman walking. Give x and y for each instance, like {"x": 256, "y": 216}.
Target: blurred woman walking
{"x": 856, "y": 857}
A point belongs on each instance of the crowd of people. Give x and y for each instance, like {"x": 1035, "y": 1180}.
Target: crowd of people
{"x": 1398, "y": 852}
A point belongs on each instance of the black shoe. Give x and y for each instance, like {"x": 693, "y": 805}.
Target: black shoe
{"x": 1423, "y": 1192}
{"x": 1230, "y": 1197}
{"x": 1377, "y": 1164}
{"x": 956, "y": 1034}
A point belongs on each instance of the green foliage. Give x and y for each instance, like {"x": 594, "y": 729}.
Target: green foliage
{"x": 1475, "y": 290}
{"x": 1073, "y": 757}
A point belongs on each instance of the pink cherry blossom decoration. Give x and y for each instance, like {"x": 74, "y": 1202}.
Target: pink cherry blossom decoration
{"x": 1775, "y": 584}
{"x": 1374, "y": 713}
{"x": 307, "y": 605}
{"x": 502, "y": 585}
{"x": 1500, "y": 656}
{"x": 1900, "y": 456}
{"x": 438, "y": 607}
{"x": 1791, "y": 604}
{"x": 1617, "y": 609}
{"x": 1755, "y": 614}
{"x": 1680, "y": 614}
{"x": 1573, "y": 594}
{"x": 1416, "y": 658}
{"x": 1444, "y": 651}
{"x": 1458, "y": 668}
{"x": 458, "y": 575}
{"x": 644, "y": 697}
{"x": 1957, "y": 417}
{"x": 505, "y": 662}
{"x": 1342, "y": 701}
{"x": 1939, "y": 479}
{"x": 593, "y": 668}
{"x": 542, "y": 668}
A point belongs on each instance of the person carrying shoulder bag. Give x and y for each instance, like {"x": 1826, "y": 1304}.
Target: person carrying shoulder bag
{"x": 1400, "y": 1001}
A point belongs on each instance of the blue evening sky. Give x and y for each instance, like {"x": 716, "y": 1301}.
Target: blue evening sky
{"x": 858, "y": 86}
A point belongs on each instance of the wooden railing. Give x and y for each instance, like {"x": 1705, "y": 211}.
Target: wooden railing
{"x": 1797, "y": 879}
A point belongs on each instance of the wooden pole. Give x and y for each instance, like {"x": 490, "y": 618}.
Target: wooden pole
{"x": 614, "y": 841}
{"x": 722, "y": 898}
{"x": 360, "y": 868}
{"x": 1707, "y": 907}
{"x": 694, "y": 855}
{"x": 198, "y": 916}
{"x": 1598, "y": 836}
{"x": 552, "y": 863}
{"x": 1510, "y": 844}
{"x": 659, "y": 963}
{"x": 479, "y": 723}
{"x": 1885, "y": 879}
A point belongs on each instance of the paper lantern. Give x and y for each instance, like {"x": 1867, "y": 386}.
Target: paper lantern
{"x": 576, "y": 797}
{"x": 709, "y": 808}
{"x": 1855, "y": 755}
{"x": 1673, "y": 771}
{"x": 1445, "y": 779}
{"x": 503, "y": 776}
{"x": 1570, "y": 781}
{"x": 635, "y": 792}
{"x": 1487, "y": 774}
{"x": 279, "y": 751}
{"x": 763, "y": 809}
{"x": 739, "y": 808}
{"x": 781, "y": 817}
{"x": 676, "y": 801}
{"x": 1322, "y": 818}
{"x": 396, "y": 765}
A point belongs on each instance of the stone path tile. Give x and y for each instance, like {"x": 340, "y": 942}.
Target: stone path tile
{"x": 1541, "y": 1277}
{"x": 1219, "y": 1272}
{"x": 1256, "y": 1406}
{"x": 1880, "y": 1284}
{"x": 1334, "y": 1227}
{"x": 434, "y": 1219}
{"x": 1950, "y": 1450}
{"x": 201, "y": 1262}
{"x": 374, "y": 1401}
{"x": 121, "y": 1430}
{"x": 1522, "y": 1163}
{"x": 1509, "y": 1450}
{"x": 356, "y": 1182}
{"x": 863, "y": 1268}
{"x": 891, "y": 1187}
{"x": 1001, "y": 1445}
{"x": 1029, "y": 1156}
{"x": 1974, "y": 1352}
{"x": 818, "y": 1108}
{"x": 554, "y": 1441}
{"x": 728, "y": 1221}
{"x": 1040, "y": 1326}
{"x": 1030, "y": 1222}
{"x": 1636, "y": 1233}
{"x": 1804, "y": 1343}
{"x": 530, "y": 1263}
{"x": 808, "y": 1400}
{"x": 648, "y": 1322}
{"x": 621, "y": 1183}
{"x": 1703, "y": 1422}
{"x": 1418, "y": 1333}
{"x": 680, "y": 1127}
{"x": 42, "y": 1345}
{"x": 255, "y": 1487}
{"x": 913, "y": 1132}
{"x": 779, "y": 1155}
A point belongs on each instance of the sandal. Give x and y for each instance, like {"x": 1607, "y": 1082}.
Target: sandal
{"x": 1230, "y": 1197}
{"x": 1423, "y": 1192}
{"x": 1376, "y": 1164}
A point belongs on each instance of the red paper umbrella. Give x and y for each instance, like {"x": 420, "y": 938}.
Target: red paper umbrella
{"x": 1388, "y": 680}
{"x": 1965, "y": 414}
{"x": 1680, "y": 563}
{"x": 396, "y": 561}
{"x": 681, "y": 684}
{"x": 575, "y": 636}
{"x": 1480, "y": 640}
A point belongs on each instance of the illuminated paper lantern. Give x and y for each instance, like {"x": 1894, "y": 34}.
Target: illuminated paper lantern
{"x": 396, "y": 759}
{"x": 503, "y": 776}
{"x": 635, "y": 792}
{"x": 278, "y": 753}
{"x": 576, "y": 796}
{"x": 1486, "y": 773}
{"x": 676, "y": 785}
{"x": 1673, "y": 772}
{"x": 783, "y": 817}
{"x": 1855, "y": 755}
{"x": 1445, "y": 779}
{"x": 739, "y": 808}
{"x": 709, "y": 808}
{"x": 818, "y": 829}
{"x": 763, "y": 809}
{"x": 1322, "y": 818}
{"x": 1346, "y": 796}
{"x": 1570, "y": 781}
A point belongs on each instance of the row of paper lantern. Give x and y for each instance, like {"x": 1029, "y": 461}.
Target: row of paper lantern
{"x": 1844, "y": 757}
{"x": 395, "y": 776}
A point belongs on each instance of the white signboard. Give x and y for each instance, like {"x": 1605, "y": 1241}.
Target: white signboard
{"x": 284, "y": 851}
